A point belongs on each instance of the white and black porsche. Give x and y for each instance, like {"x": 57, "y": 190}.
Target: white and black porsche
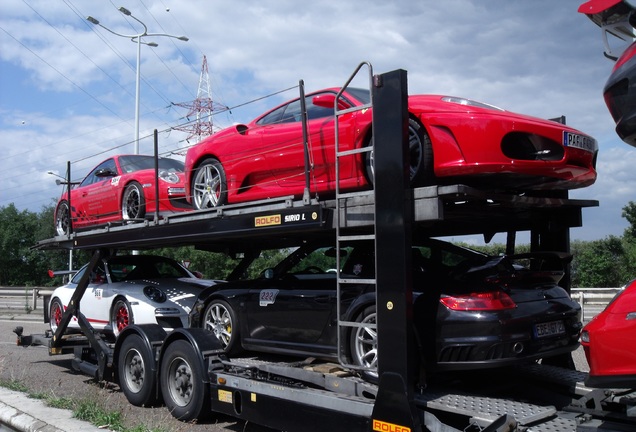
{"x": 131, "y": 289}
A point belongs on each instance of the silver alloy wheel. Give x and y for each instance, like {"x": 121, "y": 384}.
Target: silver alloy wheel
{"x": 134, "y": 370}
{"x": 218, "y": 319}
{"x": 365, "y": 344}
{"x": 207, "y": 186}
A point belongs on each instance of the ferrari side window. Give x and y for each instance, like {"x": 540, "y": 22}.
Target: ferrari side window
{"x": 272, "y": 118}
{"x": 292, "y": 113}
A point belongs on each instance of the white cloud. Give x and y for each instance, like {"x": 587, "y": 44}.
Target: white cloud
{"x": 72, "y": 83}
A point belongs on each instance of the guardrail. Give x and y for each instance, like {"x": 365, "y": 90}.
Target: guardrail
{"x": 32, "y": 293}
{"x": 593, "y": 300}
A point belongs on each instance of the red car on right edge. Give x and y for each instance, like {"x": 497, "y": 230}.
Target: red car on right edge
{"x": 609, "y": 341}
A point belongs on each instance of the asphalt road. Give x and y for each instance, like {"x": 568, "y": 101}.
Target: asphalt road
{"x": 41, "y": 373}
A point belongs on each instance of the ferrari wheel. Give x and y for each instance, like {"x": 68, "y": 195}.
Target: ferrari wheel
{"x": 209, "y": 186}
{"x": 133, "y": 203}
{"x": 62, "y": 218}
{"x": 121, "y": 316}
{"x": 136, "y": 377}
{"x": 220, "y": 319}
{"x": 420, "y": 157}
{"x": 364, "y": 343}
{"x": 184, "y": 390}
{"x": 56, "y": 311}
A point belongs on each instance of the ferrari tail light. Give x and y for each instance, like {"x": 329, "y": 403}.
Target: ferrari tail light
{"x": 494, "y": 300}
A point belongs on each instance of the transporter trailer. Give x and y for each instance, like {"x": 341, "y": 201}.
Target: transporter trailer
{"x": 187, "y": 370}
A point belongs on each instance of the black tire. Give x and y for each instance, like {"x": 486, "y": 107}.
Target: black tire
{"x": 220, "y": 318}
{"x": 121, "y": 316}
{"x": 363, "y": 344}
{"x": 420, "y": 156}
{"x": 56, "y": 311}
{"x": 184, "y": 391}
{"x": 133, "y": 202}
{"x": 209, "y": 185}
{"x": 62, "y": 218}
{"x": 136, "y": 377}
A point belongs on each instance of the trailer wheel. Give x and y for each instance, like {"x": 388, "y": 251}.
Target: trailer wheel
{"x": 219, "y": 317}
{"x": 209, "y": 186}
{"x": 55, "y": 315}
{"x": 364, "y": 344}
{"x": 184, "y": 390}
{"x": 136, "y": 377}
{"x": 121, "y": 316}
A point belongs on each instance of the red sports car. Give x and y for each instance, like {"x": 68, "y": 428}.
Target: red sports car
{"x": 608, "y": 341}
{"x": 122, "y": 188}
{"x": 451, "y": 140}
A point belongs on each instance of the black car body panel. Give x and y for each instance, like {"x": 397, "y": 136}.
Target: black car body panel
{"x": 295, "y": 312}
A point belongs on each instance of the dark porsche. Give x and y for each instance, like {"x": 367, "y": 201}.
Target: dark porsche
{"x": 478, "y": 311}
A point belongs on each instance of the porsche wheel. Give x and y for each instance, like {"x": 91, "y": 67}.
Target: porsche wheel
{"x": 133, "y": 203}
{"x": 219, "y": 318}
{"x": 136, "y": 377}
{"x": 121, "y": 316}
{"x": 56, "y": 311}
{"x": 364, "y": 343}
{"x": 209, "y": 186}
{"x": 184, "y": 390}
{"x": 420, "y": 157}
{"x": 62, "y": 218}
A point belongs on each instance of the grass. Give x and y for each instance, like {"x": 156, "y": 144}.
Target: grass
{"x": 85, "y": 410}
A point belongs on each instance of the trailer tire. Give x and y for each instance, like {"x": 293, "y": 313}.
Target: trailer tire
{"x": 184, "y": 389}
{"x": 136, "y": 376}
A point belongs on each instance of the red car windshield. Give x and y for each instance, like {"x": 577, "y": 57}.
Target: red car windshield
{"x": 134, "y": 163}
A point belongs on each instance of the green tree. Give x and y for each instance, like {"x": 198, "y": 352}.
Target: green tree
{"x": 20, "y": 264}
{"x": 596, "y": 263}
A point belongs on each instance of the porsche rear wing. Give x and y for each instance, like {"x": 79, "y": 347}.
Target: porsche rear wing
{"x": 614, "y": 17}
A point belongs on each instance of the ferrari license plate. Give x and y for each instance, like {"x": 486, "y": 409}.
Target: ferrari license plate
{"x": 582, "y": 142}
{"x": 549, "y": 329}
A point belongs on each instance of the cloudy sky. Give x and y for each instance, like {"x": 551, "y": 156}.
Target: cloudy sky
{"x": 67, "y": 87}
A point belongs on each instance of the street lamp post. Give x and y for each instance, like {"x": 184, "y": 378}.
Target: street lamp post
{"x": 136, "y": 38}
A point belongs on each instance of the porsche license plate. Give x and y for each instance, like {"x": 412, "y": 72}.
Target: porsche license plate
{"x": 549, "y": 329}
{"x": 582, "y": 142}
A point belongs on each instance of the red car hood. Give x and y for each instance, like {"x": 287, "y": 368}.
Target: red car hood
{"x": 435, "y": 104}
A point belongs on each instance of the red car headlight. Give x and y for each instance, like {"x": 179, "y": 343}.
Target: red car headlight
{"x": 169, "y": 177}
{"x": 585, "y": 336}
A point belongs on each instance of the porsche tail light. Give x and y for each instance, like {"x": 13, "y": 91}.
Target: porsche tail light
{"x": 493, "y": 300}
